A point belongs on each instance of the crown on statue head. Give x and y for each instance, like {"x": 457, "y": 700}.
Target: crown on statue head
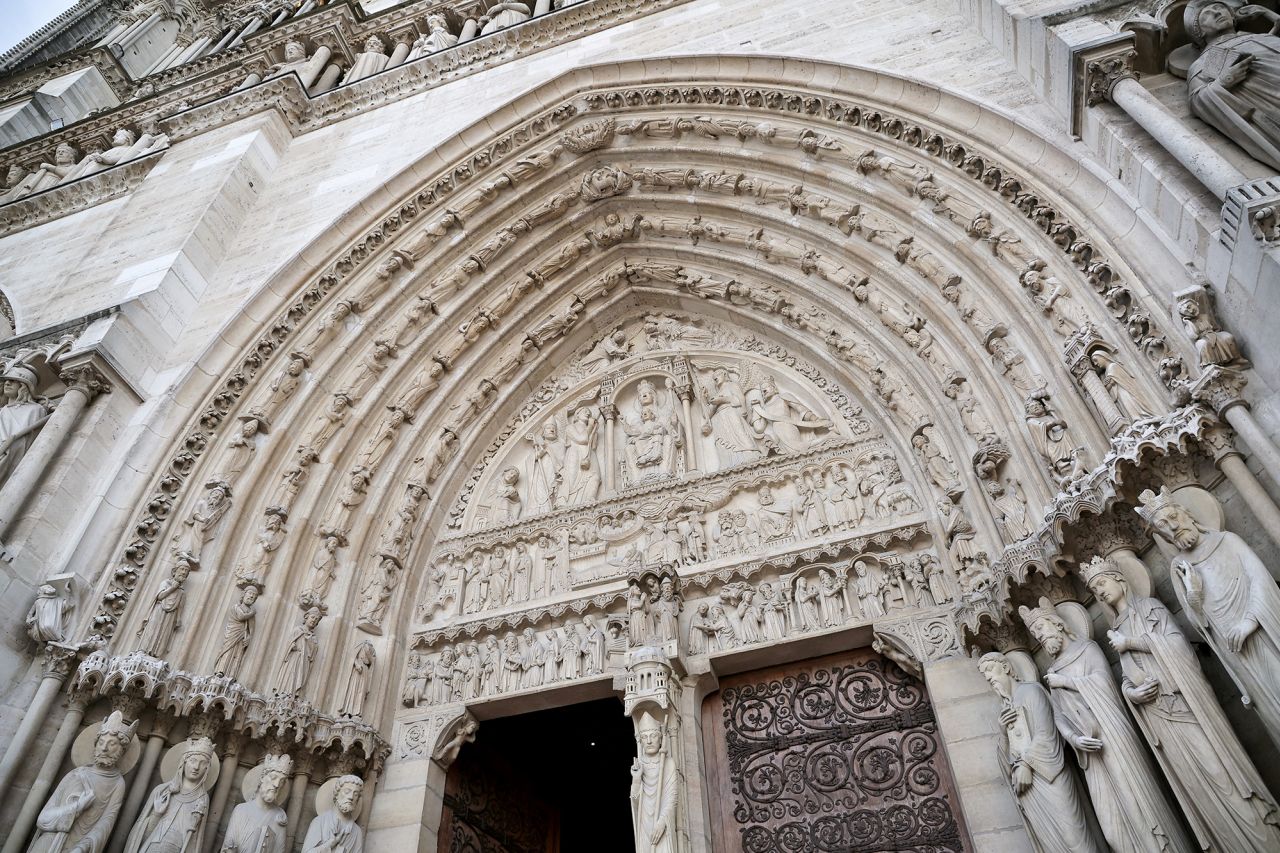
{"x": 199, "y": 746}
{"x": 1154, "y": 502}
{"x": 1046, "y": 611}
{"x": 278, "y": 763}
{"x": 116, "y": 726}
{"x": 1099, "y": 567}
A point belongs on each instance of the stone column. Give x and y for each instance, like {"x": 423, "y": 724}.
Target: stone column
{"x": 301, "y": 777}
{"x": 371, "y": 776}
{"x": 685, "y": 392}
{"x": 1217, "y": 441}
{"x": 610, "y": 413}
{"x": 1112, "y": 78}
{"x": 141, "y": 784}
{"x": 254, "y": 24}
{"x": 59, "y": 661}
{"x": 1221, "y": 389}
{"x": 399, "y": 53}
{"x": 968, "y": 718}
{"x": 542, "y": 7}
{"x": 47, "y": 776}
{"x": 693, "y": 689}
{"x": 407, "y": 811}
{"x": 327, "y": 80}
{"x": 222, "y": 789}
{"x": 83, "y": 382}
{"x": 469, "y": 30}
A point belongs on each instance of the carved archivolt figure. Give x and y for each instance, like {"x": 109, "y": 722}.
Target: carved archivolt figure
{"x": 82, "y": 810}
{"x": 299, "y": 655}
{"x": 335, "y": 830}
{"x": 1220, "y": 792}
{"x": 47, "y": 619}
{"x": 1049, "y": 433}
{"x": 173, "y": 820}
{"x": 1230, "y": 596}
{"x": 1234, "y": 84}
{"x": 1213, "y": 345}
{"x": 239, "y": 629}
{"x": 165, "y": 616}
{"x": 1010, "y": 509}
{"x": 1090, "y": 714}
{"x": 201, "y": 525}
{"x": 1121, "y": 385}
{"x": 258, "y": 826}
{"x": 654, "y": 789}
{"x": 1052, "y": 805}
{"x": 20, "y": 417}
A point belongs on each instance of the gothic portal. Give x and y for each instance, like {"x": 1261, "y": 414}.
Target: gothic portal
{"x": 665, "y": 425}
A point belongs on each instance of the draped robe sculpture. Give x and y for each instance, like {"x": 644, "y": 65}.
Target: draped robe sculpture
{"x": 1230, "y": 596}
{"x": 258, "y": 826}
{"x": 20, "y": 417}
{"x": 82, "y": 810}
{"x": 1221, "y": 794}
{"x": 1056, "y": 815}
{"x": 653, "y": 790}
{"x": 173, "y": 819}
{"x": 335, "y": 830}
{"x": 1090, "y": 714}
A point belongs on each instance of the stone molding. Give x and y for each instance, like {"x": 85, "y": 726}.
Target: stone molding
{"x": 1096, "y": 68}
{"x": 65, "y": 199}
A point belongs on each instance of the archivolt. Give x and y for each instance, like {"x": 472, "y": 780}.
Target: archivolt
{"x": 841, "y": 217}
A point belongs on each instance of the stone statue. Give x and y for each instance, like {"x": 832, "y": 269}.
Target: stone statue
{"x": 1010, "y": 510}
{"x": 20, "y": 417}
{"x": 594, "y": 647}
{"x": 1055, "y": 812}
{"x": 361, "y": 674}
{"x": 82, "y": 810}
{"x": 258, "y": 825}
{"x": 654, "y": 783}
{"x": 300, "y": 654}
{"x": 1091, "y": 717}
{"x": 438, "y": 38}
{"x": 1121, "y": 385}
{"x": 650, "y": 449}
{"x": 125, "y": 146}
{"x": 1234, "y": 84}
{"x": 581, "y": 471}
{"x": 46, "y": 175}
{"x": 638, "y": 629}
{"x": 782, "y": 422}
{"x": 1213, "y": 345}
{"x": 200, "y": 526}
{"x": 239, "y": 629}
{"x": 548, "y": 467}
{"x": 1220, "y": 792}
{"x": 334, "y": 830}
{"x": 165, "y": 616}
{"x": 503, "y": 14}
{"x": 47, "y": 619}
{"x": 507, "y": 503}
{"x": 463, "y": 734}
{"x": 868, "y": 583}
{"x": 369, "y": 61}
{"x": 1230, "y": 596}
{"x": 776, "y": 515}
{"x": 173, "y": 820}
{"x": 1049, "y": 432}
{"x": 726, "y": 420}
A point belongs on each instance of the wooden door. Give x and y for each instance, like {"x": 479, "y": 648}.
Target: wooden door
{"x": 833, "y": 755}
{"x": 488, "y": 808}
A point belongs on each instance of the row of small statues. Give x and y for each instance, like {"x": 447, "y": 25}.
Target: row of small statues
{"x": 65, "y": 168}
{"x": 82, "y": 811}
{"x": 519, "y": 662}
{"x": 1232, "y": 599}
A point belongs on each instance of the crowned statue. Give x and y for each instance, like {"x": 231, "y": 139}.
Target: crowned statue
{"x": 173, "y": 820}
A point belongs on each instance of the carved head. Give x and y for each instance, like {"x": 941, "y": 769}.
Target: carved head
{"x": 64, "y": 155}
{"x": 1205, "y": 21}
{"x": 294, "y": 51}
{"x": 765, "y": 495}
{"x": 1044, "y": 623}
{"x": 312, "y": 618}
{"x": 250, "y": 595}
{"x": 271, "y": 787}
{"x": 1169, "y": 519}
{"x": 1105, "y": 581}
{"x": 998, "y": 672}
{"x": 550, "y": 431}
{"x": 16, "y": 174}
{"x": 1188, "y": 308}
{"x": 113, "y": 739}
{"x": 437, "y": 24}
{"x": 195, "y": 762}
{"x": 346, "y": 795}
{"x": 180, "y": 571}
{"x": 373, "y": 44}
{"x": 123, "y": 138}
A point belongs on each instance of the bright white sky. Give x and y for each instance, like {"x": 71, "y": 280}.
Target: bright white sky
{"x": 21, "y": 18}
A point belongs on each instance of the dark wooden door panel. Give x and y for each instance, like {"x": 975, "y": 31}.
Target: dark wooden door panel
{"x": 832, "y": 755}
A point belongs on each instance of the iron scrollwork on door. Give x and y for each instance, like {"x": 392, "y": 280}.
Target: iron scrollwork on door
{"x": 837, "y": 759}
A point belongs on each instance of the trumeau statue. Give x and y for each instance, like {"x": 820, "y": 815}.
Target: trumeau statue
{"x": 82, "y": 810}
{"x": 1230, "y": 596}
{"x": 654, "y": 789}
{"x": 173, "y": 820}
{"x": 334, "y": 830}
{"x": 20, "y": 417}
{"x": 258, "y": 825}
{"x": 1234, "y": 84}
{"x": 1056, "y": 814}
{"x": 1220, "y": 792}
{"x": 1091, "y": 716}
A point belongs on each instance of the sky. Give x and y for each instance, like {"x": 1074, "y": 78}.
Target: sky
{"x": 21, "y": 18}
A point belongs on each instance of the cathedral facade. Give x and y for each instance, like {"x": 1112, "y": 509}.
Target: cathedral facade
{"x": 655, "y": 425}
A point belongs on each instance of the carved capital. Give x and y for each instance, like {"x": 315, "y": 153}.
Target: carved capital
{"x": 1220, "y": 388}
{"x": 1218, "y": 442}
{"x": 85, "y": 377}
{"x": 60, "y": 660}
{"x": 1102, "y": 75}
{"x": 1105, "y": 534}
{"x": 130, "y": 707}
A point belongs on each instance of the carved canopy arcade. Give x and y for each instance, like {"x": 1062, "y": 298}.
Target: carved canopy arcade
{"x": 738, "y": 335}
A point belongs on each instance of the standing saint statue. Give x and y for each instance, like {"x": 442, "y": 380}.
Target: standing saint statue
{"x": 1220, "y": 792}
{"x": 165, "y": 616}
{"x": 581, "y": 481}
{"x": 1056, "y": 814}
{"x": 547, "y": 467}
{"x": 1231, "y": 598}
{"x": 173, "y": 820}
{"x": 726, "y": 420}
{"x": 258, "y": 824}
{"x": 1234, "y": 84}
{"x": 20, "y": 417}
{"x": 1090, "y": 715}
{"x": 238, "y": 630}
{"x": 653, "y": 789}
{"x": 334, "y": 830}
{"x": 357, "y": 688}
{"x": 200, "y": 526}
{"x": 295, "y": 666}
{"x": 82, "y": 810}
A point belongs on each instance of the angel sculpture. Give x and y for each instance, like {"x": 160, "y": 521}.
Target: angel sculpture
{"x": 724, "y": 410}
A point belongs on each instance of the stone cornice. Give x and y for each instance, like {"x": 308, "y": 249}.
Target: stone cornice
{"x": 65, "y": 199}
